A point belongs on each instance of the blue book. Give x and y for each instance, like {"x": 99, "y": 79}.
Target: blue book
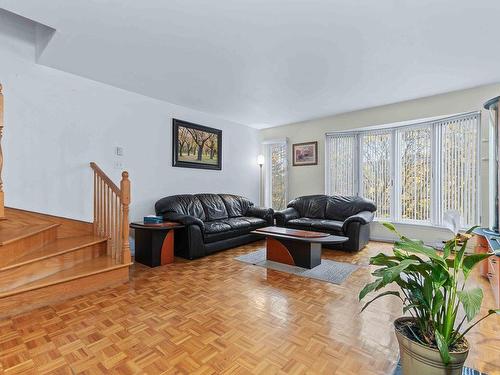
{"x": 151, "y": 219}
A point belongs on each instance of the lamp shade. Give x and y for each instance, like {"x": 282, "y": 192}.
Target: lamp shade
{"x": 260, "y": 160}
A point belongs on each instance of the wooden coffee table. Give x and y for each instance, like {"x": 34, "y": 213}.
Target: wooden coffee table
{"x": 296, "y": 247}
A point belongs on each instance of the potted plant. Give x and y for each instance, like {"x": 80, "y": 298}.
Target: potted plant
{"x": 432, "y": 290}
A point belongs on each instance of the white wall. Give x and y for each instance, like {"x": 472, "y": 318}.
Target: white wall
{"x": 56, "y": 123}
{"x": 306, "y": 180}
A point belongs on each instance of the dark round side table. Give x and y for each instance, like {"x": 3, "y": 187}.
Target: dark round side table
{"x": 154, "y": 243}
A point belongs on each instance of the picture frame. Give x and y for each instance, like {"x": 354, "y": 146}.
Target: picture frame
{"x": 305, "y": 153}
{"x": 196, "y": 146}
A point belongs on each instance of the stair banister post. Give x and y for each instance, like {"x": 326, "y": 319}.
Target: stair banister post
{"x": 125, "y": 199}
{"x": 2, "y": 202}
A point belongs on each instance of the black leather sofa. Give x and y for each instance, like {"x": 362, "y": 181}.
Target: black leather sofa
{"x": 338, "y": 215}
{"x": 212, "y": 222}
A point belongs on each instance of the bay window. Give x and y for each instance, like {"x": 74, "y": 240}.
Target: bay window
{"x": 413, "y": 172}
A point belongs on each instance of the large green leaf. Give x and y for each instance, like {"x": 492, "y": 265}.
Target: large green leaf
{"x": 448, "y": 247}
{"x": 391, "y": 227}
{"x": 409, "y": 307}
{"x": 443, "y": 347}
{"x": 459, "y": 256}
{"x": 383, "y": 260}
{"x": 399, "y": 254}
{"x": 471, "y": 229}
{"x": 427, "y": 291}
{"x": 389, "y": 292}
{"x": 417, "y": 296}
{"x": 391, "y": 273}
{"x": 403, "y": 284}
{"x": 379, "y": 272}
{"x": 416, "y": 246}
{"x": 471, "y": 301}
{"x": 439, "y": 276}
{"x": 471, "y": 260}
{"x": 369, "y": 288}
{"x": 437, "y": 302}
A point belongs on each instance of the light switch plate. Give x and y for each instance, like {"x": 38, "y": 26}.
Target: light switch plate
{"x": 119, "y": 151}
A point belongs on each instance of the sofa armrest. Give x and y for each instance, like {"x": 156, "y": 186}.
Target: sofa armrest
{"x": 263, "y": 213}
{"x": 363, "y": 217}
{"x": 282, "y": 217}
{"x": 183, "y": 219}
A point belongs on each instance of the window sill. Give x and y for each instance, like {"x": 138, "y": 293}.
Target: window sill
{"x": 418, "y": 224}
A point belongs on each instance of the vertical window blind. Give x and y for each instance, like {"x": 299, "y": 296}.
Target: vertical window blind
{"x": 376, "y": 171}
{"x": 341, "y": 159}
{"x": 276, "y": 174}
{"x": 414, "y": 173}
{"x": 459, "y": 185}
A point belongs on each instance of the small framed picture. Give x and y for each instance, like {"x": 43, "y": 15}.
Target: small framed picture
{"x": 305, "y": 153}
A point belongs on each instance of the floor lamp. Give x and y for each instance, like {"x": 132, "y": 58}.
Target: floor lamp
{"x": 260, "y": 162}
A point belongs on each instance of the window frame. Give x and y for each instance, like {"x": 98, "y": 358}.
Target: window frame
{"x": 436, "y": 126}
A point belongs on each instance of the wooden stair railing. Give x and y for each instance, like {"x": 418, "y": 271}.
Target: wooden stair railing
{"x": 2, "y": 202}
{"x": 111, "y": 211}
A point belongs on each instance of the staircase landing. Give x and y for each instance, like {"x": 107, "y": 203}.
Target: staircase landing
{"x": 46, "y": 259}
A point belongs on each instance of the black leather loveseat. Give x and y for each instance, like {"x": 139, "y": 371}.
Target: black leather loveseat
{"x": 338, "y": 215}
{"x": 212, "y": 222}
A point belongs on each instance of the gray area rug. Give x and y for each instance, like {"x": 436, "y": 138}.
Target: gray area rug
{"x": 329, "y": 270}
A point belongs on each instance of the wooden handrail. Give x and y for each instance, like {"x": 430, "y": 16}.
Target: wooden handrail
{"x": 2, "y": 199}
{"x": 103, "y": 175}
{"x": 111, "y": 212}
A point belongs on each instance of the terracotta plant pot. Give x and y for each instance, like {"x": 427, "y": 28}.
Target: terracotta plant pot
{"x": 417, "y": 359}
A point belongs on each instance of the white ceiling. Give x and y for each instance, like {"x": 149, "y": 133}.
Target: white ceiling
{"x": 270, "y": 62}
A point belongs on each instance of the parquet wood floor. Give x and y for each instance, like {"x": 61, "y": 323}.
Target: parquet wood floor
{"x": 219, "y": 316}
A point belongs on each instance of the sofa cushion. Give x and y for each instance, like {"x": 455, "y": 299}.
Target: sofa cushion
{"x": 317, "y": 225}
{"x": 235, "y": 205}
{"x": 340, "y": 207}
{"x": 328, "y": 225}
{"x": 301, "y": 222}
{"x": 237, "y": 223}
{"x": 223, "y": 229}
{"x": 234, "y": 224}
{"x": 255, "y": 222}
{"x": 186, "y": 204}
{"x": 213, "y": 205}
{"x": 218, "y": 230}
{"x": 312, "y": 206}
{"x": 216, "y": 226}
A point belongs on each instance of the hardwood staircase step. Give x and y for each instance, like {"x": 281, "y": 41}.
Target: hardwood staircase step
{"x": 20, "y": 224}
{"x": 61, "y": 254}
{"x": 16, "y": 239}
{"x": 84, "y": 277}
{"x": 87, "y": 268}
{"x": 52, "y": 249}
{"x": 10, "y": 234}
{"x": 68, "y": 227}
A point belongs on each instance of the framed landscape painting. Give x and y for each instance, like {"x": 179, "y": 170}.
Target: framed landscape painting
{"x": 305, "y": 153}
{"x": 196, "y": 146}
